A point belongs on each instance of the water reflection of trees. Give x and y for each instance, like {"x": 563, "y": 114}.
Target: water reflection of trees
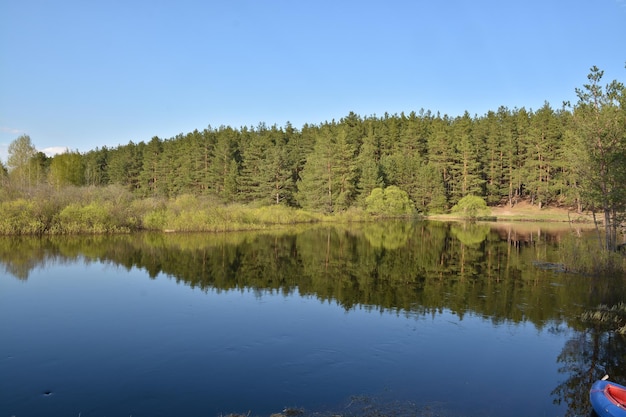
{"x": 409, "y": 268}
{"x": 397, "y": 266}
{"x": 586, "y": 357}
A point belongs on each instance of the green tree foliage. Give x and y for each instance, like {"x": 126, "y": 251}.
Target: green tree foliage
{"x": 329, "y": 177}
{"x": 21, "y": 216}
{"x": 278, "y": 178}
{"x": 315, "y": 191}
{"x": 67, "y": 169}
{"x": 440, "y": 152}
{"x": 124, "y": 165}
{"x": 368, "y": 162}
{"x": 429, "y": 194}
{"x": 224, "y": 167}
{"x": 150, "y": 177}
{"x": 265, "y": 175}
{"x": 40, "y": 167}
{"x": 471, "y": 206}
{"x": 506, "y": 148}
{"x": 599, "y": 151}
{"x": 96, "y": 167}
{"x": 542, "y": 160}
{"x": 345, "y": 169}
{"x": 466, "y": 168}
{"x": 521, "y": 138}
{"x": 391, "y": 201}
{"x": 546, "y": 157}
{"x": 21, "y": 151}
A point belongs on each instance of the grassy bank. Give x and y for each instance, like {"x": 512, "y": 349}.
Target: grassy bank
{"x": 101, "y": 210}
{"x": 524, "y": 212}
{"x": 84, "y": 210}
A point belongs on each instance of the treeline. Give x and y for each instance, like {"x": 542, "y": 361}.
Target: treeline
{"x": 572, "y": 156}
{"x": 503, "y": 156}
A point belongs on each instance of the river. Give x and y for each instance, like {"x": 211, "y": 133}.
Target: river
{"x": 393, "y": 318}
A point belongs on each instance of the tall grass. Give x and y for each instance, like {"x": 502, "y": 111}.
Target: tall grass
{"x": 585, "y": 256}
{"x": 91, "y": 210}
{"x": 612, "y": 318}
{"x": 192, "y": 214}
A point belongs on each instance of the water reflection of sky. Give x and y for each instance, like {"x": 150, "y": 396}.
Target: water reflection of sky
{"x": 104, "y": 340}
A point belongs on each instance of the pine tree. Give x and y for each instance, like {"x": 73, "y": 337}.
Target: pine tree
{"x": 521, "y": 138}
{"x": 329, "y": 177}
{"x": 429, "y": 193}
{"x": 440, "y": 155}
{"x": 489, "y": 131}
{"x": 345, "y": 168}
{"x": 541, "y": 165}
{"x": 368, "y": 160}
{"x": 508, "y": 154}
{"x": 599, "y": 129}
{"x": 149, "y": 178}
{"x": 278, "y": 175}
{"x": 254, "y": 152}
{"x": 124, "y": 165}
{"x": 96, "y": 167}
{"x": 224, "y": 167}
{"x": 466, "y": 171}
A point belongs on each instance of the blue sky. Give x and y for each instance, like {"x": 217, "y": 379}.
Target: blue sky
{"x": 87, "y": 74}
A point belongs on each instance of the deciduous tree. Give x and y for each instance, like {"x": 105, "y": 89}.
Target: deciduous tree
{"x": 67, "y": 169}
{"x": 21, "y": 150}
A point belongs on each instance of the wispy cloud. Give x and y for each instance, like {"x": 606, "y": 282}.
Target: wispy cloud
{"x": 10, "y": 130}
{"x": 54, "y": 150}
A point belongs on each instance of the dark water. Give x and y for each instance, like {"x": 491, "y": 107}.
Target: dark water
{"x": 404, "y": 319}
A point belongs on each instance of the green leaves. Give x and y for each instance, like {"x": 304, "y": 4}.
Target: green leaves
{"x": 545, "y": 157}
{"x": 67, "y": 169}
{"x": 598, "y": 156}
{"x": 471, "y": 207}
{"x": 391, "y": 201}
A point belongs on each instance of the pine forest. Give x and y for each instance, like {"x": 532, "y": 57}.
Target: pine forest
{"x": 573, "y": 156}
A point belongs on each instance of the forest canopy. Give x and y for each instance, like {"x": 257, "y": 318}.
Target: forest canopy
{"x": 504, "y": 156}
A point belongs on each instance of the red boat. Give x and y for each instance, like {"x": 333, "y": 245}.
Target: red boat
{"x": 608, "y": 398}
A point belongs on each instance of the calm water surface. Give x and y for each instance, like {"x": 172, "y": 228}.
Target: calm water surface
{"x": 457, "y": 321}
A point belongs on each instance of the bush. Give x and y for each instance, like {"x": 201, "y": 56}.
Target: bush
{"x": 21, "y": 217}
{"x": 471, "y": 207}
{"x": 95, "y": 217}
{"x": 391, "y": 201}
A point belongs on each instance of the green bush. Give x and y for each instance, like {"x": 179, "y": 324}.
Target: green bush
{"x": 21, "y": 217}
{"x": 471, "y": 207}
{"x": 391, "y": 201}
{"x": 95, "y": 217}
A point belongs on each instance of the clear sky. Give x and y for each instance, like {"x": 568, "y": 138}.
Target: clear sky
{"x": 84, "y": 74}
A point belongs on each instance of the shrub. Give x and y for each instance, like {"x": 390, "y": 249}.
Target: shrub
{"x": 391, "y": 201}
{"x": 471, "y": 207}
{"x": 21, "y": 217}
{"x": 95, "y": 217}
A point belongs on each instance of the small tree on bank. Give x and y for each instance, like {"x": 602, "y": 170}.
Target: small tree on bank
{"x": 391, "y": 201}
{"x": 471, "y": 206}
